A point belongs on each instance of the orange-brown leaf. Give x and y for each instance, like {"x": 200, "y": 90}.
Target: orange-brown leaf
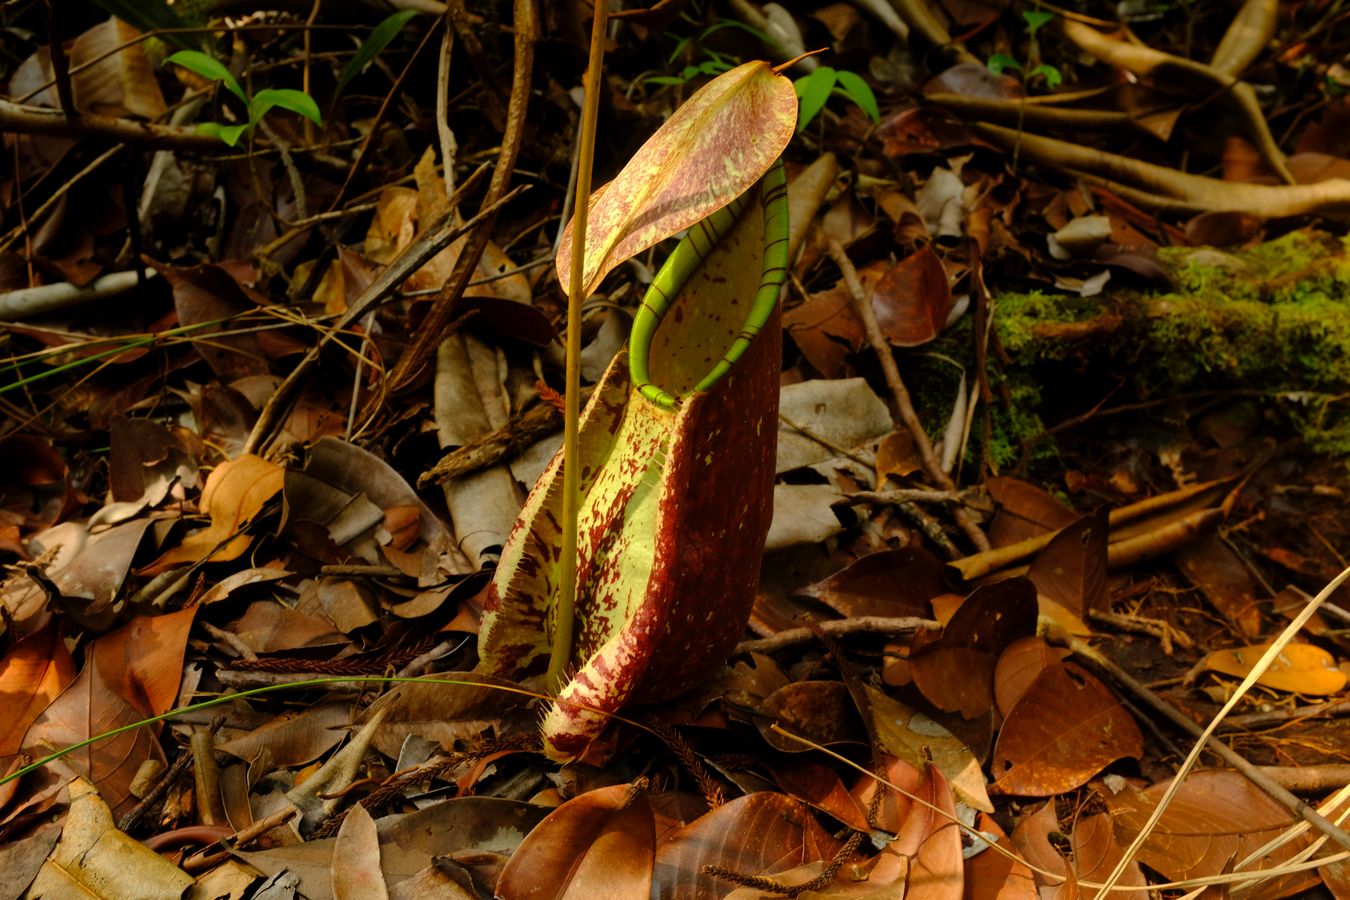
{"x": 1066, "y": 727}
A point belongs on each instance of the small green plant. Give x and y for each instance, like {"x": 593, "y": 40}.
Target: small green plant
{"x": 814, "y": 89}
{"x": 259, "y": 105}
{"x": 1001, "y": 62}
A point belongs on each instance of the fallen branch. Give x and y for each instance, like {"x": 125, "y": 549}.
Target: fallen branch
{"x": 34, "y": 301}
{"x": 1162, "y": 188}
{"x": 875, "y": 625}
{"x": 19, "y": 119}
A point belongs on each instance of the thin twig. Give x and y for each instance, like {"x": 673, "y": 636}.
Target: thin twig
{"x": 931, "y": 465}
{"x": 441, "y": 233}
{"x": 433, "y": 329}
{"x": 874, "y": 625}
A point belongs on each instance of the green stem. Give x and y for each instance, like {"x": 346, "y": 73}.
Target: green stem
{"x": 564, "y": 612}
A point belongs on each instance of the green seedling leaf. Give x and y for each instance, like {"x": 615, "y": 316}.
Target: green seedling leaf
{"x": 1053, "y": 78}
{"x": 379, "y": 38}
{"x": 679, "y": 49}
{"x": 714, "y": 147}
{"x": 665, "y": 79}
{"x": 1035, "y": 18}
{"x": 283, "y": 98}
{"x": 208, "y": 67}
{"x": 859, "y": 92}
{"x": 1001, "y": 62}
{"x": 230, "y": 134}
{"x": 813, "y": 90}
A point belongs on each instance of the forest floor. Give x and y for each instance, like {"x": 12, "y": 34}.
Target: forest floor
{"x": 1047, "y": 606}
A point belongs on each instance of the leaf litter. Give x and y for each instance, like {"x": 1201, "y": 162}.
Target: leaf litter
{"x": 1174, "y": 507}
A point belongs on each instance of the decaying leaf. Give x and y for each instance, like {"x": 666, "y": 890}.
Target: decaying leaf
{"x": 95, "y": 859}
{"x": 600, "y": 844}
{"x": 915, "y": 737}
{"x": 1063, "y": 730}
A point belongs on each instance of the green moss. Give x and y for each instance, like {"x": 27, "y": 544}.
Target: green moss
{"x": 1274, "y": 319}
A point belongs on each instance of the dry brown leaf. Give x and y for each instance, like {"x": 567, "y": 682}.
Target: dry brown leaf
{"x": 143, "y": 660}
{"x": 992, "y": 876}
{"x": 1216, "y": 818}
{"x": 955, "y": 669}
{"x": 1018, "y": 667}
{"x": 356, "y": 859}
{"x": 32, "y": 674}
{"x": 888, "y": 583}
{"x": 600, "y": 844}
{"x": 86, "y": 708}
{"x": 915, "y": 738}
{"x": 820, "y": 711}
{"x": 1071, "y": 570}
{"x": 94, "y": 859}
{"x": 1300, "y": 668}
{"x": 1217, "y": 571}
{"x": 235, "y": 492}
{"x": 758, "y": 834}
{"x": 1066, "y": 727}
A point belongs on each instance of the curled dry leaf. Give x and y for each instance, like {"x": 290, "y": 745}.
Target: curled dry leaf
{"x": 235, "y": 492}
{"x": 1064, "y": 729}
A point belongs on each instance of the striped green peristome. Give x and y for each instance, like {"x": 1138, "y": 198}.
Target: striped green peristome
{"x": 682, "y": 263}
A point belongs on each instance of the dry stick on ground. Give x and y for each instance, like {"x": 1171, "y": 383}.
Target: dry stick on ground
{"x": 885, "y": 626}
{"x": 19, "y": 119}
{"x": 1262, "y": 780}
{"x": 156, "y": 793}
{"x": 991, "y": 560}
{"x": 515, "y": 437}
{"x": 1159, "y": 187}
{"x": 1196, "y": 77}
{"x": 438, "y": 236}
{"x": 931, "y": 465}
{"x": 433, "y": 327}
